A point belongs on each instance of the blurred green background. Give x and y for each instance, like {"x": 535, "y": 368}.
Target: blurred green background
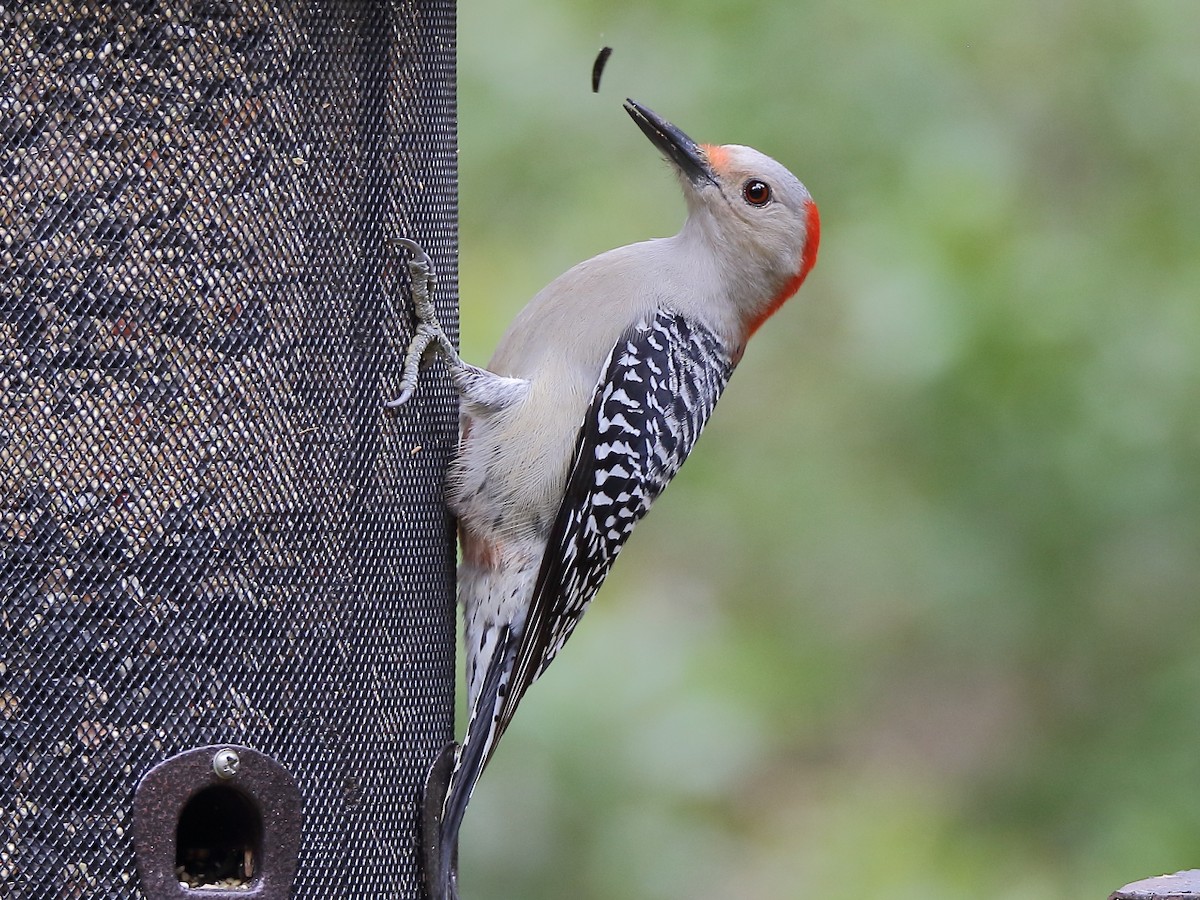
{"x": 919, "y": 618}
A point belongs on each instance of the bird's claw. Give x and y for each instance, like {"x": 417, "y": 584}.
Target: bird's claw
{"x": 422, "y": 276}
{"x": 427, "y": 333}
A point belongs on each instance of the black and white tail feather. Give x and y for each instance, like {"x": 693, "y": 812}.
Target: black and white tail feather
{"x": 658, "y": 389}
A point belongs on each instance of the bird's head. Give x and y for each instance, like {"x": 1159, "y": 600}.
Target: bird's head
{"x": 748, "y": 208}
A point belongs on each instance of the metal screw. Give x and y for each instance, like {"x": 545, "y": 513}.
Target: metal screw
{"x": 226, "y": 763}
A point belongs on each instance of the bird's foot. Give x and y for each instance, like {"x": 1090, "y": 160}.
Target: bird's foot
{"x": 429, "y": 331}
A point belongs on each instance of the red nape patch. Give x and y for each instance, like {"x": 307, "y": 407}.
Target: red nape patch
{"x": 808, "y": 259}
{"x": 812, "y": 240}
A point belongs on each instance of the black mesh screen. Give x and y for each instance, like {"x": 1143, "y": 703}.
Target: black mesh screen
{"x": 212, "y": 532}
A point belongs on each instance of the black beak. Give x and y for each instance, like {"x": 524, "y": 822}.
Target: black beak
{"x": 681, "y": 149}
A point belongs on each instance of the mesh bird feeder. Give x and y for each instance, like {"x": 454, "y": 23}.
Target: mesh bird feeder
{"x": 226, "y": 569}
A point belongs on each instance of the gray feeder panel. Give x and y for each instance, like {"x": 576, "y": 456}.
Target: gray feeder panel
{"x": 212, "y": 532}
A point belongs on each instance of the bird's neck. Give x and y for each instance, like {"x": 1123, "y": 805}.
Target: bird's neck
{"x": 747, "y": 277}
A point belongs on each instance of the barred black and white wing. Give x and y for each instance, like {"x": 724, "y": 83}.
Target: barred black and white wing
{"x": 658, "y": 389}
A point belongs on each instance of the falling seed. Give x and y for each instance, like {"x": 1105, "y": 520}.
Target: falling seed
{"x": 598, "y": 67}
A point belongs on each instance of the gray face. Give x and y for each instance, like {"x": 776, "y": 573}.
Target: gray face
{"x": 748, "y": 208}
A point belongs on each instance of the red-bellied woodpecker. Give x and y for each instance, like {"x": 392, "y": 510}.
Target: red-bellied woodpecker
{"x": 592, "y": 401}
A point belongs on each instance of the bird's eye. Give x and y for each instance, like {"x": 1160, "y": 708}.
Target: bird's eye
{"x": 756, "y": 193}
